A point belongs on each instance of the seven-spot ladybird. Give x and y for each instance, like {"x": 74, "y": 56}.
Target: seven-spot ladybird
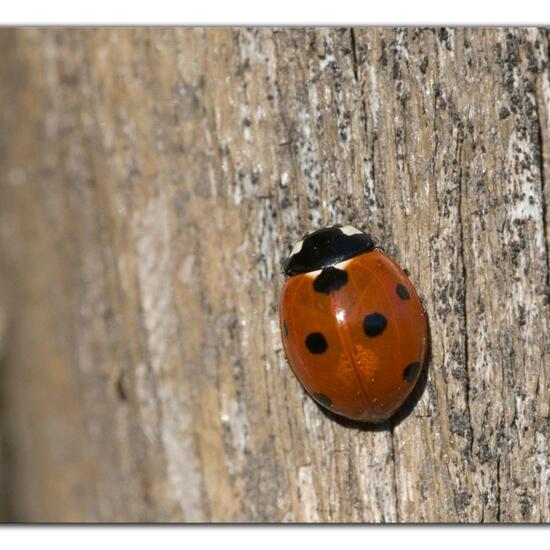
{"x": 353, "y": 328}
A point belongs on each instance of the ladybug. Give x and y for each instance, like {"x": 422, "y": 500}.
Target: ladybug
{"x": 353, "y": 328}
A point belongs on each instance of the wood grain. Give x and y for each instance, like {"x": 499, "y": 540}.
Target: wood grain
{"x": 151, "y": 183}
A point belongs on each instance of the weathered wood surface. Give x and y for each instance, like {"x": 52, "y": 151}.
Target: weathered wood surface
{"x": 151, "y": 183}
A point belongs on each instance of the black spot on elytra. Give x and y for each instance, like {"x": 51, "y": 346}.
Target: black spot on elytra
{"x": 285, "y": 329}
{"x": 316, "y": 342}
{"x": 323, "y": 400}
{"x": 374, "y": 324}
{"x": 409, "y": 374}
{"x": 402, "y": 292}
{"x": 326, "y": 247}
{"x": 331, "y": 278}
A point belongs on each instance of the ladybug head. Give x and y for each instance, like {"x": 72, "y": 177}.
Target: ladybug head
{"x": 326, "y": 247}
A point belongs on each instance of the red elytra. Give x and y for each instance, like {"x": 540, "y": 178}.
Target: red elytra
{"x": 354, "y": 330}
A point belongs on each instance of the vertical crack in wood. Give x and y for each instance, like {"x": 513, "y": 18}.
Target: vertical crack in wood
{"x": 541, "y": 164}
{"x": 354, "y": 63}
{"x": 465, "y": 281}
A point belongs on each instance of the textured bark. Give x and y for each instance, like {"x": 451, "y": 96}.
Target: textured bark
{"x": 152, "y": 181}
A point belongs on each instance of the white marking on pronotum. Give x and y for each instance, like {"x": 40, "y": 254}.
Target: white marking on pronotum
{"x": 350, "y": 230}
{"x": 342, "y": 265}
{"x": 297, "y": 247}
{"x": 313, "y": 274}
